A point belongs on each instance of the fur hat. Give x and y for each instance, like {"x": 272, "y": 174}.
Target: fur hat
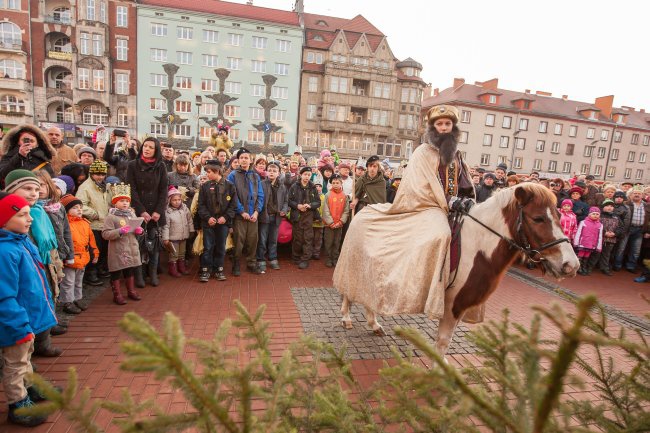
{"x": 567, "y": 202}
{"x": 345, "y": 165}
{"x": 10, "y": 143}
{"x": 19, "y": 177}
{"x": 634, "y": 190}
{"x": 502, "y": 166}
{"x": 10, "y": 205}
{"x": 69, "y": 201}
{"x": 594, "y": 209}
{"x": 448, "y": 111}
{"x": 576, "y": 189}
{"x": 98, "y": 167}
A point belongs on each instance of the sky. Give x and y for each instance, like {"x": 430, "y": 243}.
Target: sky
{"x": 584, "y": 49}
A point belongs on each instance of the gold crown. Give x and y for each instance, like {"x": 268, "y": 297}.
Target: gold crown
{"x": 121, "y": 190}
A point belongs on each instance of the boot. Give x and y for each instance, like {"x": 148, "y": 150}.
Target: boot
{"x": 583, "y": 266}
{"x": 90, "y": 277}
{"x": 117, "y": 293}
{"x": 24, "y": 420}
{"x": 182, "y": 267}
{"x": 153, "y": 272}
{"x": 139, "y": 278}
{"x": 130, "y": 288}
{"x": 235, "y": 268}
{"x": 172, "y": 269}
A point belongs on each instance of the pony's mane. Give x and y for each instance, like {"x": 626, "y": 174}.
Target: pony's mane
{"x": 504, "y": 199}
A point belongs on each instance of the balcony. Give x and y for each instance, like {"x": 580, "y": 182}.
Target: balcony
{"x": 14, "y": 84}
{"x": 58, "y": 93}
{"x": 59, "y": 55}
{"x": 58, "y": 19}
{"x": 335, "y": 125}
{"x": 358, "y": 101}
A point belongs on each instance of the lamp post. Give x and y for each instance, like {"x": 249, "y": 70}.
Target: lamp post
{"x": 591, "y": 159}
{"x": 198, "y": 102}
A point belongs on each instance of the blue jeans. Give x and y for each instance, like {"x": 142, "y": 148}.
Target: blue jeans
{"x": 268, "y": 240}
{"x": 634, "y": 239}
{"x": 214, "y": 246}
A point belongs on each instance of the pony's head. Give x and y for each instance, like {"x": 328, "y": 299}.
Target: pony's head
{"x": 535, "y": 222}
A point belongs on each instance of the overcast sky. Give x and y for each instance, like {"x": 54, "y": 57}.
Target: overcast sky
{"x": 579, "y": 48}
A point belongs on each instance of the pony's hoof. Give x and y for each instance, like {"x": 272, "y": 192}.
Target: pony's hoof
{"x": 347, "y": 324}
{"x": 379, "y": 332}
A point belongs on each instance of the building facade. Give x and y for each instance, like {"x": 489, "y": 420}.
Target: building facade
{"x": 218, "y": 63}
{"x": 556, "y": 137}
{"x": 355, "y": 96}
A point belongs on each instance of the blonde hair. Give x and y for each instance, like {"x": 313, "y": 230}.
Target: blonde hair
{"x": 45, "y": 178}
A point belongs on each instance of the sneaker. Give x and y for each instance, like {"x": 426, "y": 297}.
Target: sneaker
{"x": 24, "y": 420}
{"x": 204, "y": 275}
{"x": 303, "y": 265}
{"x": 220, "y": 275}
{"x": 253, "y": 268}
{"x": 262, "y": 267}
{"x": 273, "y": 264}
{"x": 71, "y": 308}
{"x": 35, "y": 395}
{"x": 642, "y": 279}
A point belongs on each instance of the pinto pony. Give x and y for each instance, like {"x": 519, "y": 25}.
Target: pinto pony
{"x": 514, "y": 222}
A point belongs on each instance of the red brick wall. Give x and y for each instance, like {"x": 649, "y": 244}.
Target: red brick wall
{"x": 21, "y": 19}
{"x": 131, "y": 33}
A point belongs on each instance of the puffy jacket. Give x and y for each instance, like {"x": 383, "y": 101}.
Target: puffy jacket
{"x": 581, "y": 209}
{"x": 569, "y": 224}
{"x": 96, "y": 203}
{"x": 611, "y": 223}
{"x": 179, "y": 224}
{"x": 40, "y": 156}
{"x": 25, "y": 300}
{"x": 123, "y": 250}
{"x": 589, "y": 235}
{"x": 83, "y": 240}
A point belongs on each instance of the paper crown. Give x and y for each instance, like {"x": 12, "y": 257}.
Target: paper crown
{"x": 121, "y": 191}
{"x": 312, "y": 162}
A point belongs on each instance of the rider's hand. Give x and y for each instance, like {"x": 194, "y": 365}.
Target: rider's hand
{"x": 460, "y": 204}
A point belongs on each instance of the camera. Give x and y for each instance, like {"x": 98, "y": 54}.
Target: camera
{"x": 119, "y": 132}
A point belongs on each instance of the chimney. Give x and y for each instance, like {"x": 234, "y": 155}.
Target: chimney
{"x": 478, "y": 83}
{"x": 436, "y": 91}
{"x": 627, "y": 108}
{"x": 642, "y": 110}
{"x": 565, "y": 97}
{"x": 458, "y": 82}
{"x": 605, "y": 103}
{"x": 527, "y": 91}
{"x": 426, "y": 93}
{"x": 491, "y": 84}
{"x": 542, "y": 93}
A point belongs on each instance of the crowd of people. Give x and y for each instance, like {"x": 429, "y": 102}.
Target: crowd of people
{"x": 113, "y": 208}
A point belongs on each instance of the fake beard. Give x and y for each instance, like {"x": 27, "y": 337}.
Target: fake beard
{"x": 445, "y": 143}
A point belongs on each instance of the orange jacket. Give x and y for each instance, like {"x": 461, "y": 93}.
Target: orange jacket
{"x": 83, "y": 240}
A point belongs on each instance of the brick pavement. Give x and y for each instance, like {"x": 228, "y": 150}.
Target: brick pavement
{"x": 91, "y": 344}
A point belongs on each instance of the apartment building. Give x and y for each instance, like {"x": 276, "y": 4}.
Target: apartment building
{"x": 355, "y": 95}
{"x": 202, "y": 64}
{"x": 557, "y": 137}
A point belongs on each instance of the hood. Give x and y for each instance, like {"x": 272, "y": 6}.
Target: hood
{"x": 157, "y": 154}
{"x": 10, "y": 140}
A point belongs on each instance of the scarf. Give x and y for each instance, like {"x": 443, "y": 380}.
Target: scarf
{"x": 122, "y": 213}
{"x": 336, "y": 204}
{"x": 49, "y": 206}
{"x": 262, "y": 173}
{"x": 148, "y": 160}
{"x": 273, "y": 198}
{"x": 42, "y": 232}
{"x": 101, "y": 186}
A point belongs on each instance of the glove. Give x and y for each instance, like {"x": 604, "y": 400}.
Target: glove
{"x": 461, "y": 204}
{"x": 138, "y": 230}
{"x": 124, "y": 230}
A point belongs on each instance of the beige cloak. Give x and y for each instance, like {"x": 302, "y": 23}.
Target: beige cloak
{"x": 395, "y": 257}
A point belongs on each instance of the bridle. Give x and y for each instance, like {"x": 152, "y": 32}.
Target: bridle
{"x": 534, "y": 255}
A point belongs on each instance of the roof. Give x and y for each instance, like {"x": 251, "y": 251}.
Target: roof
{"x": 409, "y": 63}
{"x": 401, "y": 76}
{"x": 229, "y": 9}
{"x": 329, "y": 27}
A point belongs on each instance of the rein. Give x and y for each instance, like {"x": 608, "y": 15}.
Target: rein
{"x": 534, "y": 255}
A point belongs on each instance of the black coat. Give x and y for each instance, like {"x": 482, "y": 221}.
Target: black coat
{"x": 217, "y": 199}
{"x": 302, "y": 195}
{"x": 119, "y": 160}
{"x": 39, "y": 156}
{"x": 483, "y": 192}
{"x": 148, "y": 186}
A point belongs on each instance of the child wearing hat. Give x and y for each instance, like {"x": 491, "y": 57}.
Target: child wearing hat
{"x": 318, "y": 221}
{"x": 612, "y": 229}
{"x": 123, "y": 246}
{"x": 96, "y": 199}
{"x": 568, "y": 220}
{"x": 589, "y": 239}
{"x": 26, "y": 309}
{"x": 176, "y": 232}
{"x": 84, "y": 245}
{"x": 580, "y": 208}
{"x": 303, "y": 200}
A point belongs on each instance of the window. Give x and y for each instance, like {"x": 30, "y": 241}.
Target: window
{"x": 278, "y": 92}
{"x": 537, "y": 164}
{"x": 518, "y": 162}
{"x": 523, "y": 124}
{"x": 258, "y": 66}
{"x": 257, "y": 89}
{"x": 122, "y": 49}
{"x": 485, "y": 159}
{"x": 507, "y": 122}
{"x": 611, "y": 171}
{"x": 234, "y": 134}
{"x": 83, "y": 78}
{"x": 209, "y": 109}
{"x": 313, "y": 84}
{"x": 552, "y": 166}
{"x": 94, "y": 115}
{"x": 464, "y": 136}
{"x": 259, "y": 42}
{"x": 589, "y": 150}
{"x": 338, "y": 84}
{"x": 158, "y": 129}
{"x": 504, "y": 141}
{"x": 184, "y": 32}
{"x": 157, "y": 104}
{"x": 205, "y": 132}
{"x": 255, "y": 136}
{"x": 558, "y": 129}
{"x": 566, "y": 167}
{"x": 256, "y": 113}
{"x": 598, "y": 169}
{"x": 122, "y": 16}
{"x": 630, "y": 156}
{"x": 311, "y": 111}
{"x": 158, "y": 55}
{"x": 84, "y": 43}
{"x": 98, "y": 46}
{"x": 235, "y": 39}
{"x": 183, "y": 130}
{"x": 601, "y": 152}
{"x": 183, "y": 106}
{"x": 639, "y": 174}
{"x": 231, "y": 110}
{"x": 543, "y": 127}
{"x": 646, "y": 140}
{"x": 465, "y": 116}
{"x": 520, "y": 143}
{"x": 10, "y": 34}
{"x": 12, "y": 69}
{"x": 233, "y": 87}
{"x": 489, "y": 120}
{"x": 122, "y": 117}
{"x": 233, "y": 63}
{"x": 635, "y": 139}
{"x": 208, "y": 85}
{"x": 539, "y": 147}
{"x": 98, "y": 80}
{"x": 313, "y": 57}
{"x": 11, "y": 4}
{"x": 569, "y": 148}
{"x": 183, "y": 82}
{"x": 209, "y": 60}
{"x": 555, "y": 147}
{"x": 604, "y": 135}
{"x": 63, "y": 80}
{"x": 283, "y": 46}
{"x": 573, "y": 131}
{"x": 11, "y": 104}
{"x": 277, "y": 137}
{"x": 158, "y": 29}
{"x": 62, "y": 45}
{"x": 210, "y": 36}
{"x": 642, "y": 157}
{"x": 122, "y": 84}
{"x": 184, "y": 57}
{"x": 628, "y": 173}
{"x": 492, "y": 99}
{"x": 366, "y": 143}
{"x": 338, "y": 113}
{"x": 618, "y": 136}
{"x": 584, "y": 168}
{"x": 282, "y": 69}
{"x": 102, "y": 12}
{"x": 614, "y": 155}
{"x": 90, "y": 10}
{"x": 382, "y": 90}
{"x": 158, "y": 80}
{"x": 487, "y": 139}
{"x": 591, "y": 132}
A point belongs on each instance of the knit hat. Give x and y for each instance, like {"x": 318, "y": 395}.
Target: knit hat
{"x": 576, "y": 189}
{"x": 594, "y": 209}
{"x": 69, "y": 182}
{"x": 98, "y": 167}
{"x": 69, "y": 201}
{"x": 121, "y": 191}
{"x": 10, "y": 205}
{"x": 607, "y": 202}
{"x": 112, "y": 179}
{"x": 195, "y": 154}
{"x": 19, "y": 177}
{"x": 172, "y": 191}
{"x": 87, "y": 149}
{"x": 567, "y": 202}
{"x": 59, "y": 183}
{"x": 344, "y": 165}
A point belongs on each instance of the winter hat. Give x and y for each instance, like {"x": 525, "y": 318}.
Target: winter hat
{"x": 69, "y": 182}
{"x": 502, "y": 166}
{"x": 567, "y": 202}
{"x": 489, "y": 176}
{"x": 10, "y": 205}
{"x": 344, "y": 165}
{"x": 594, "y": 209}
{"x": 620, "y": 194}
{"x": 87, "y": 149}
{"x": 241, "y": 151}
{"x": 19, "y": 177}
{"x": 305, "y": 168}
{"x": 112, "y": 179}
{"x": 59, "y": 183}
{"x": 69, "y": 201}
{"x": 98, "y": 167}
{"x": 607, "y": 202}
{"x": 172, "y": 191}
{"x": 121, "y": 191}
{"x": 576, "y": 189}
{"x": 371, "y": 160}
{"x": 325, "y": 153}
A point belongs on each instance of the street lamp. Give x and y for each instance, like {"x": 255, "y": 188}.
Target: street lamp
{"x": 199, "y": 102}
{"x": 591, "y": 159}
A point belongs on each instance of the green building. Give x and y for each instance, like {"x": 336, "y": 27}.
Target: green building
{"x": 203, "y": 64}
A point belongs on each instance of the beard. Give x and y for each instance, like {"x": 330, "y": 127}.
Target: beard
{"x": 447, "y": 143}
